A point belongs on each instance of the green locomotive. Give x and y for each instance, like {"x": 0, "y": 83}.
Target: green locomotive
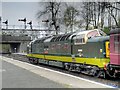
{"x": 84, "y": 51}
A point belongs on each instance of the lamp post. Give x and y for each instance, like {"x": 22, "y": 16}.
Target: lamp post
{"x": 23, "y": 20}
{"x": 0, "y": 23}
{"x": 15, "y": 50}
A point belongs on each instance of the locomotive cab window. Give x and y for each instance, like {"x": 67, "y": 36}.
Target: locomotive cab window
{"x": 79, "y": 39}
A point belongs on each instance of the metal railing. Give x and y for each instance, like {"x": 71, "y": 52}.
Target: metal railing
{"x": 19, "y": 30}
{"x": 19, "y": 27}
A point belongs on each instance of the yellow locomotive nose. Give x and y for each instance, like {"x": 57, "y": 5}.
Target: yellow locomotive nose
{"x": 107, "y": 45}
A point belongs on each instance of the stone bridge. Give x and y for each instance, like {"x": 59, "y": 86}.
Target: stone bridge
{"x": 14, "y": 44}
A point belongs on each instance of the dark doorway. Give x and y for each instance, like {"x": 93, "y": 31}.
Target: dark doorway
{"x": 15, "y": 47}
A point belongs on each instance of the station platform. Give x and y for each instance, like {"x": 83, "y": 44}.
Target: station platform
{"x": 59, "y": 77}
{"x": 14, "y": 77}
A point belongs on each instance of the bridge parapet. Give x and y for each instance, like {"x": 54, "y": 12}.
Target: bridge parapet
{"x": 33, "y": 33}
{"x": 8, "y": 38}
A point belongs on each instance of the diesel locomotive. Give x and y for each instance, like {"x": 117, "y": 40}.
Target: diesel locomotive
{"x": 85, "y": 51}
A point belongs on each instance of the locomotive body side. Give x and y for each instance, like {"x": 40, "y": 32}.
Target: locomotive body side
{"x": 64, "y": 51}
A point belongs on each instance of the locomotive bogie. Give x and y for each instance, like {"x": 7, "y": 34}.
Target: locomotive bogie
{"x": 33, "y": 60}
{"x": 113, "y": 70}
{"x": 56, "y": 63}
{"x": 43, "y": 61}
{"x": 79, "y": 64}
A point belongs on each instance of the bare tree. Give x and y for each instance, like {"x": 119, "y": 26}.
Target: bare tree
{"x": 113, "y": 11}
{"x": 86, "y": 14}
{"x": 52, "y": 9}
{"x": 70, "y": 15}
{"x": 94, "y": 13}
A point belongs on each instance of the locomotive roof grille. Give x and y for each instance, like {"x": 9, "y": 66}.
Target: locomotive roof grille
{"x": 41, "y": 40}
{"x": 65, "y": 37}
{"x": 49, "y": 39}
{"x": 58, "y": 38}
{"x": 52, "y": 40}
{"x": 62, "y": 37}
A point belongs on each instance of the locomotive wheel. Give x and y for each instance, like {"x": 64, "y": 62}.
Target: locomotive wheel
{"x": 100, "y": 74}
{"x": 30, "y": 60}
{"x": 94, "y": 71}
{"x": 35, "y": 61}
{"x": 95, "y": 74}
{"x": 103, "y": 74}
{"x": 67, "y": 66}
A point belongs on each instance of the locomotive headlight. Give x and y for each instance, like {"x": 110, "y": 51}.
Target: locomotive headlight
{"x": 101, "y": 50}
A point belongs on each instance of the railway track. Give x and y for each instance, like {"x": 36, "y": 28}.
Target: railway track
{"x": 110, "y": 81}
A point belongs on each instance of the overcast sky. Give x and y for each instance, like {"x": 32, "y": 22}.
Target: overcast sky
{"x": 18, "y": 10}
{"x": 12, "y": 10}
